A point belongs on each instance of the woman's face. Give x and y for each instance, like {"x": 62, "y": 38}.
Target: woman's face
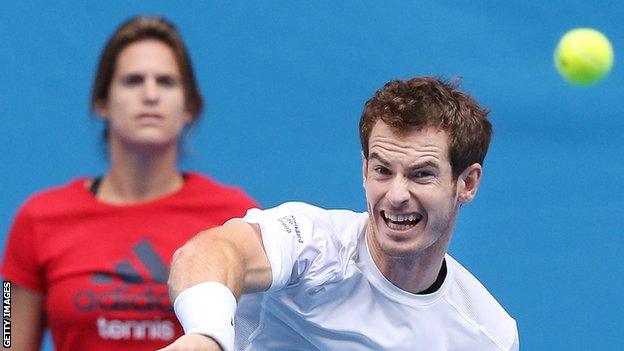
{"x": 146, "y": 105}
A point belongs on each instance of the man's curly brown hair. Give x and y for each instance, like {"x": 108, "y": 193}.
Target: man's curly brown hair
{"x": 422, "y": 102}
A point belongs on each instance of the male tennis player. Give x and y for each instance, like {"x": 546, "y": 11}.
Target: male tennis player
{"x": 341, "y": 280}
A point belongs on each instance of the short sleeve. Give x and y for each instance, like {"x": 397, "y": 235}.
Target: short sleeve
{"x": 516, "y": 343}
{"x": 20, "y": 264}
{"x": 300, "y": 244}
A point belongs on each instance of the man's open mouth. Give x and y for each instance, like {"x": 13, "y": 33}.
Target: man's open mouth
{"x": 403, "y": 221}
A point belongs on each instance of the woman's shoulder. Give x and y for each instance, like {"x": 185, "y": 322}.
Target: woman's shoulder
{"x": 60, "y": 195}
{"x": 203, "y": 182}
{"x": 202, "y": 185}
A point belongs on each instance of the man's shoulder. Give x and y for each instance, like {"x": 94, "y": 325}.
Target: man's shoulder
{"x": 311, "y": 225}
{"x": 300, "y": 238}
{"x": 314, "y": 212}
{"x": 343, "y": 222}
{"x": 478, "y": 307}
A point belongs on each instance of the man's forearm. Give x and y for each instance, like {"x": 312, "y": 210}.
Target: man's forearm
{"x": 209, "y": 273}
{"x": 207, "y": 257}
{"x": 232, "y": 254}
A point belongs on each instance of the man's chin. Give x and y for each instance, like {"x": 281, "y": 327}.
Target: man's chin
{"x": 399, "y": 233}
{"x": 400, "y": 252}
{"x": 403, "y": 244}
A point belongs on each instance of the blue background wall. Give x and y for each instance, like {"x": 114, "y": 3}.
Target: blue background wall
{"x": 285, "y": 83}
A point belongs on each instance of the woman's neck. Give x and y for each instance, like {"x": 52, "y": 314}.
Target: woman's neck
{"x": 140, "y": 176}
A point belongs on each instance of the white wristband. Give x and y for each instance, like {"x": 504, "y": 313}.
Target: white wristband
{"x": 208, "y": 308}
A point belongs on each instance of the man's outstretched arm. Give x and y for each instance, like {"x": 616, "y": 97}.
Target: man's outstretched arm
{"x": 207, "y": 273}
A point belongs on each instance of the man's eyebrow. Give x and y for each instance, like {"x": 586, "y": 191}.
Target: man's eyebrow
{"x": 416, "y": 165}
{"x": 377, "y": 156}
{"x": 423, "y": 164}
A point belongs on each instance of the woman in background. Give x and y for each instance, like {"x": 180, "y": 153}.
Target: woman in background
{"x": 89, "y": 260}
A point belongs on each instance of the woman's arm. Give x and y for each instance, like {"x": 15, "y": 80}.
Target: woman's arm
{"x": 27, "y": 319}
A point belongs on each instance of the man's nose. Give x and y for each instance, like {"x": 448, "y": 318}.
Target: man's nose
{"x": 398, "y": 194}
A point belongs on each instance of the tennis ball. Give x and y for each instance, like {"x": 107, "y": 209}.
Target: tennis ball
{"x": 584, "y": 56}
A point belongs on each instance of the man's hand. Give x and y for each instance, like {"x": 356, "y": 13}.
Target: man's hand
{"x": 193, "y": 342}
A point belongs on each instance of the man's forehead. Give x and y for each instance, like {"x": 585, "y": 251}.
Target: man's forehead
{"x": 381, "y": 127}
{"x": 427, "y": 140}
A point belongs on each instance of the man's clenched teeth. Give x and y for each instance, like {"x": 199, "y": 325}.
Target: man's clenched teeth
{"x": 401, "y": 221}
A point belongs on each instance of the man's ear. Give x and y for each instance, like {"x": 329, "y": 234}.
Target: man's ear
{"x": 468, "y": 183}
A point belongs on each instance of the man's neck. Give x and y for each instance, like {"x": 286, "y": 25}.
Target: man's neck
{"x": 415, "y": 273}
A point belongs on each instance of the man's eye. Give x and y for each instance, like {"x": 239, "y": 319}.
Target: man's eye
{"x": 382, "y": 170}
{"x": 133, "y": 79}
{"x": 167, "y": 81}
{"x": 422, "y": 174}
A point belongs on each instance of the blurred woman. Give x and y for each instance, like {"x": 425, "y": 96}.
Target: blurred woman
{"x": 89, "y": 260}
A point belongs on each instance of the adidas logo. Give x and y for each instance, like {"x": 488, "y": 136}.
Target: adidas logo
{"x": 125, "y": 289}
{"x": 146, "y": 254}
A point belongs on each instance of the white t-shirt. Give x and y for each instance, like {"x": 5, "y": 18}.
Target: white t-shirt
{"x": 327, "y": 294}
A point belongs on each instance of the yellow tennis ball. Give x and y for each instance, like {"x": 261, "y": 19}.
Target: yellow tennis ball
{"x": 584, "y": 56}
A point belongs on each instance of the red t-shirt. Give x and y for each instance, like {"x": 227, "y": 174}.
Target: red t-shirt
{"x": 103, "y": 268}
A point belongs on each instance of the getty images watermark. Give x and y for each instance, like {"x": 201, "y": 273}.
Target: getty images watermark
{"x": 6, "y": 314}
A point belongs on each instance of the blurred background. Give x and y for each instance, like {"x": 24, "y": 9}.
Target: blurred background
{"x": 285, "y": 83}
